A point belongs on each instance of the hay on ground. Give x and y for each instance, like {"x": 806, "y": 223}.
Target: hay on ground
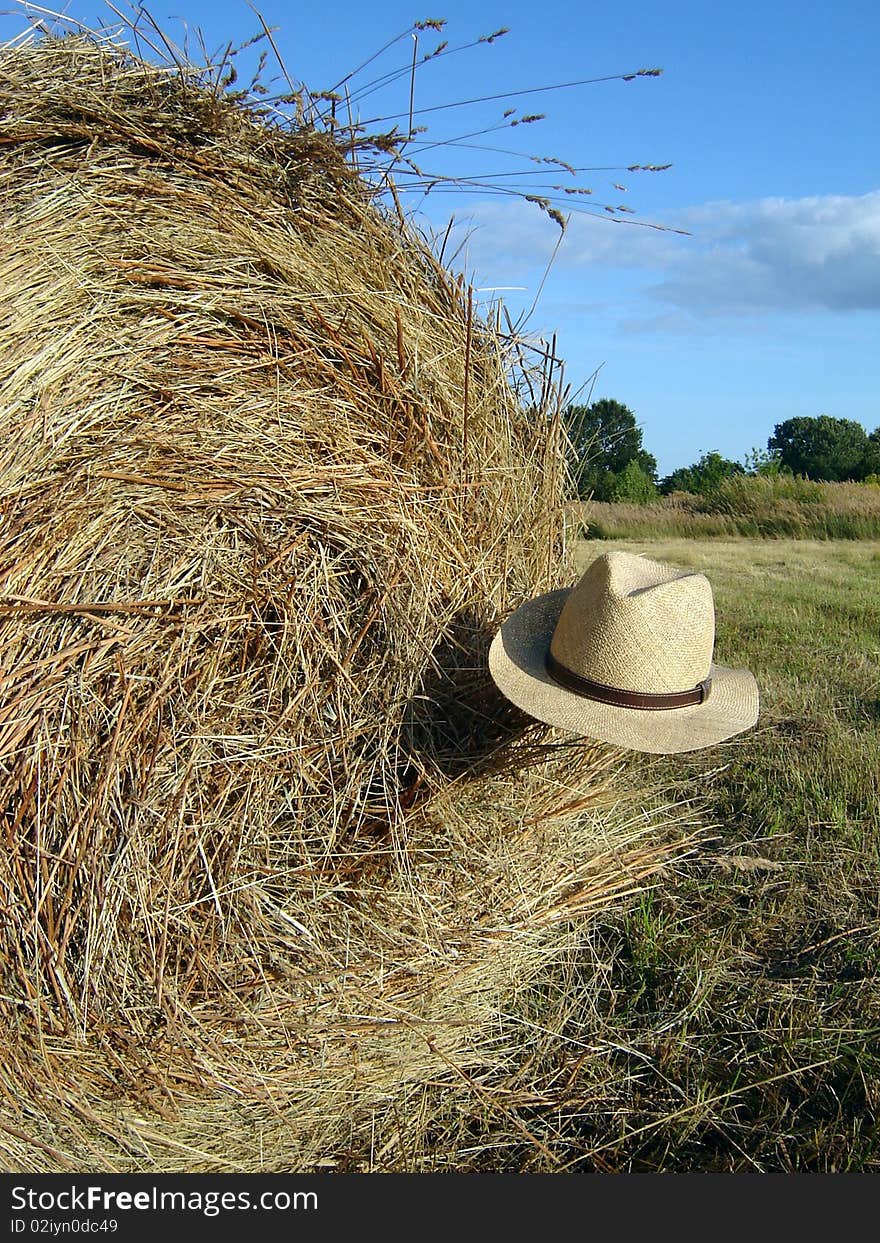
{"x": 274, "y": 848}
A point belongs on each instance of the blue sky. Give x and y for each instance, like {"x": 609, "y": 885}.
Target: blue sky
{"x": 769, "y": 112}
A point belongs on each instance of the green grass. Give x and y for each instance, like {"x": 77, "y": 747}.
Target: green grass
{"x": 752, "y": 506}
{"x": 739, "y": 1004}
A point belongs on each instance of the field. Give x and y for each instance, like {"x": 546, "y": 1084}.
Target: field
{"x": 740, "y": 1006}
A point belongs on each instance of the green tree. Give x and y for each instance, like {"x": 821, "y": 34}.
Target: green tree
{"x": 605, "y": 438}
{"x": 703, "y": 477}
{"x": 761, "y": 462}
{"x": 633, "y": 484}
{"x": 872, "y": 456}
{"x": 822, "y": 448}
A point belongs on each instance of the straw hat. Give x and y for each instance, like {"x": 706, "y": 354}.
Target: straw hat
{"x": 625, "y": 656}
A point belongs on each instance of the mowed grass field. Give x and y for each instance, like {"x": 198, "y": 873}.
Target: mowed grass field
{"x": 741, "y": 1002}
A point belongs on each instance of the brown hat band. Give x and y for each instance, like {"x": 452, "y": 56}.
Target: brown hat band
{"x": 620, "y": 698}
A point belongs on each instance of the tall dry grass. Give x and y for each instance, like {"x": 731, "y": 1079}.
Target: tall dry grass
{"x": 769, "y": 507}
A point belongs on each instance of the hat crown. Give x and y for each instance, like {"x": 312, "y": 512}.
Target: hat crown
{"x": 638, "y": 625}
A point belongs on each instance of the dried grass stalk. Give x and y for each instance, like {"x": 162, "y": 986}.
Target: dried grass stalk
{"x": 274, "y": 849}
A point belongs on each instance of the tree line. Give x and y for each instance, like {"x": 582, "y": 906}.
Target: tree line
{"x": 610, "y": 462}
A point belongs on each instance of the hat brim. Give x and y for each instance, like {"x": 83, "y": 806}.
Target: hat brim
{"x": 517, "y": 664}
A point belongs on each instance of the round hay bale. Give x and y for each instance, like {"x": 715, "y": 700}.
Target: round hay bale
{"x": 274, "y": 848}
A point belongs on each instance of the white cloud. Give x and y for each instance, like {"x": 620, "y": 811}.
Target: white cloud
{"x": 815, "y": 253}
{"x": 810, "y": 253}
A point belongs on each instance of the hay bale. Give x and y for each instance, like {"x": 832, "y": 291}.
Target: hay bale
{"x": 274, "y": 849}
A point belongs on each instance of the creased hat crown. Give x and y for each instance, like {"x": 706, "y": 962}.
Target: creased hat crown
{"x": 638, "y": 625}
